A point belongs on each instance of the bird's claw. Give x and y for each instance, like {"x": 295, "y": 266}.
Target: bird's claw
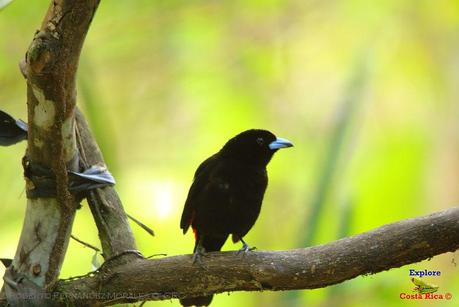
{"x": 197, "y": 256}
{"x": 245, "y": 249}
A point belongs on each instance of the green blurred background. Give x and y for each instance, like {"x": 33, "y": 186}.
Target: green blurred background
{"x": 367, "y": 90}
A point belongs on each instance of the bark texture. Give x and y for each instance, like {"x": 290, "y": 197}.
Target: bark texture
{"x": 386, "y": 247}
{"x": 114, "y": 231}
{"x": 50, "y": 68}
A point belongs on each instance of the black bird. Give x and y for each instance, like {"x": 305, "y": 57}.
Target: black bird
{"x": 226, "y": 195}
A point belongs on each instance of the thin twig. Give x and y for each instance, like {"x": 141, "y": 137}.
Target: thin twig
{"x": 85, "y": 244}
{"x": 156, "y": 255}
{"x": 142, "y": 225}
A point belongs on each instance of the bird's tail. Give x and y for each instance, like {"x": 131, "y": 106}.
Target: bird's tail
{"x": 210, "y": 244}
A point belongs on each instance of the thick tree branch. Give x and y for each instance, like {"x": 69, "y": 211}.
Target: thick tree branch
{"x": 50, "y": 67}
{"x": 381, "y": 249}
{"x": 114, "y": 231}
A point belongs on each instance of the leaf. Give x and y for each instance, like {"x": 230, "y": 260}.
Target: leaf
{"x": 94, "y": 177}
{"x": 96, "y": 173}
{"x": 22, "y": 125}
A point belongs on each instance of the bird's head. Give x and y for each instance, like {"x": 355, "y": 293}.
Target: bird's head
{"x": 254, "y": 146}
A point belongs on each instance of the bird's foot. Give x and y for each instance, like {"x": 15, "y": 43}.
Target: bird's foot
{"x": 245, "y": 249}
{"x": 198, "y": 254}
{"x": 197, "y": 258}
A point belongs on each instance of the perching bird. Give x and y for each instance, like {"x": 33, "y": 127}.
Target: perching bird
{"x": 226, "y": 195}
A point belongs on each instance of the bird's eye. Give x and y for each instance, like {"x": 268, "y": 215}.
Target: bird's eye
{"x": 260, "y": 141}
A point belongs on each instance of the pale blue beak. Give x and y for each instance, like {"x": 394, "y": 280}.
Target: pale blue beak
{"x": 280, "y": 143}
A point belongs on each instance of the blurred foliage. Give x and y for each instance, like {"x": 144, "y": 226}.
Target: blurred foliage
{"x": 165, "y": 83}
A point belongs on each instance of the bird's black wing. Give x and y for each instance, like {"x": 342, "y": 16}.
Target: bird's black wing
{"x": 201, "y": 177}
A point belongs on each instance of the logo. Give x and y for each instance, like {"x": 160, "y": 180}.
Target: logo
{"x": 424, "y": 273}
{"x": 424, "y": 290}
{"x": 423, "y": 287}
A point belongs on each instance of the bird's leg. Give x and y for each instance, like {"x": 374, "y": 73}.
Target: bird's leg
{"x": 245, "y": 247}
{"x": 200, "y": 252}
